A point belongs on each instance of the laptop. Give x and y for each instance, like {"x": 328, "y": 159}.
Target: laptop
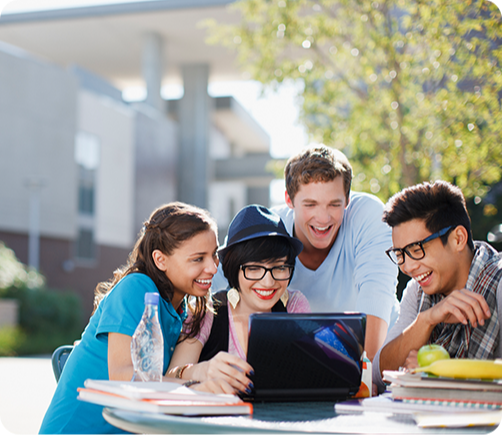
{"x": 304, "y": 357}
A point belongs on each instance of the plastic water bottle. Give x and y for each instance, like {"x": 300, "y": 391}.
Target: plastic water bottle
{"x": 147, "y": 345}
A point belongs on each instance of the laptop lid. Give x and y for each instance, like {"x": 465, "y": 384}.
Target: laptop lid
{"x": 311, "y": 356}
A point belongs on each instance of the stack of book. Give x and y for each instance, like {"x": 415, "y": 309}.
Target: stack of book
{"x": 434, "y": 401}
{"x": 438, "y": 400}
{"x": 161, "y": 397}
{"x": 421, "y": 388}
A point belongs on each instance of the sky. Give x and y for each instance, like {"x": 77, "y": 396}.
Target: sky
{"x": 276, "y": 112}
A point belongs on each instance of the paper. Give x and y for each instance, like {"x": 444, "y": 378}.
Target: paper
{"x": 487, "y": 418}
{"x": 407, "y": 379}
{"x": 157, "y": 390}
{"x": 387, "y": 404}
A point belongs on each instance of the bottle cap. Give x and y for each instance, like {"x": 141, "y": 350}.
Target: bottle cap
{"x": 152, "y": 298}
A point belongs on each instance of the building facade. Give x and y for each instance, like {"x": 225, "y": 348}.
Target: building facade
{"x": 81, "y": 170}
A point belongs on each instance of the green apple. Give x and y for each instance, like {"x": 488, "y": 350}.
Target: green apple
{"x": 429, "y": 353}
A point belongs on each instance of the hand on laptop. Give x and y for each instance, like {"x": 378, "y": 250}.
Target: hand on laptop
{"x": 229, "y": 368}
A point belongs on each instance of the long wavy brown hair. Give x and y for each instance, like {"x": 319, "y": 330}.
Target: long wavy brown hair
{"x": 168, "y": 227}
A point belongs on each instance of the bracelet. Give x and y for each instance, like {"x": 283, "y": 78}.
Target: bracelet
{"x": 190, "y": 383}
{"x": 179, "y": 371}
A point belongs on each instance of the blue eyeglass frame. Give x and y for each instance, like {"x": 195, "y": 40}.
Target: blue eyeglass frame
{"x": 405, "y": 250}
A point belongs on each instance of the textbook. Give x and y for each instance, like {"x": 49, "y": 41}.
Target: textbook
{"x": 458, "y": 420}
{"x": 422, "y": 380}
{"x": 385, "y": 403}
{"x": 474, "y": 397}
{"x": 161, "y": 397}
{"x": 156, "y": 390}
{"x": 425, "y": 414}
{"x": 420, "y": 388}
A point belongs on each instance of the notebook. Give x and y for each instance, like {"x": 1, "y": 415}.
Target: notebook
{"x": 305, "y": 356}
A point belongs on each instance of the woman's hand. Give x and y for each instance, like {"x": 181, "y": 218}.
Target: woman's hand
{"x": 229, "y": 368}
{"x": 216, "y": 386}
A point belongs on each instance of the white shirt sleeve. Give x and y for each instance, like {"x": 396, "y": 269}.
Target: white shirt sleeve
{"x": 375, "y": 276}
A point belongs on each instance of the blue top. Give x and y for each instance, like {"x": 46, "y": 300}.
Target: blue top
{"x": 356, "y": 275}
{"x": 120, "y": 311}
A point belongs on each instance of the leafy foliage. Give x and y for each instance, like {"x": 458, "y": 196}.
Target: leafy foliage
{"x": 15, "y": 274}
{"x": 408, "y": 89}
{"x": 47, "y": 318}
{"x": 11, "y": 338}
{"x": 486, "y": 213}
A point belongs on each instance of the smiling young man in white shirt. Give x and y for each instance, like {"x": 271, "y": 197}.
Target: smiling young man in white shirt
{"x": 343, "y": 266}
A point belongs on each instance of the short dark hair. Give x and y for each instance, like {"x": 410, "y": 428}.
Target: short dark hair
{"x": 317, "y": 164}
{"x": 439, "y": 205}
{"x": 261, "y": 249}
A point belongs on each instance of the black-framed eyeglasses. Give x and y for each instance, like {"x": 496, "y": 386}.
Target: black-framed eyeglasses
{"x": 414, "y": 250}
{"x": 279, "y": 273}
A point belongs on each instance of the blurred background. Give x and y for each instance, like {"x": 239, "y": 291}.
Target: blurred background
{"x": 111, "y": 108}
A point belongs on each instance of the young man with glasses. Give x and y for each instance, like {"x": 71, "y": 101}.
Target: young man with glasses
{"x": 455, "y": 295}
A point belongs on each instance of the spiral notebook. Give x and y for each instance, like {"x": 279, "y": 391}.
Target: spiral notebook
{"x": 311, "y": 356}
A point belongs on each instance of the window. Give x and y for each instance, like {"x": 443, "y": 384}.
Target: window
{"x": 87, "y": 156}
{"x": 86, "y": 249}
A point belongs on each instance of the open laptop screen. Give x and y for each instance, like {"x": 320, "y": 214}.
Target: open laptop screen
{"x": 306, "y": 356}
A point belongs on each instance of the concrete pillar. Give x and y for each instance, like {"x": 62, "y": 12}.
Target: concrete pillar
{"x": 259, "y": 195}
{"x": 34, "y": 186}
{"x": 153, "y": 68}
{"x": 194, "y": 112}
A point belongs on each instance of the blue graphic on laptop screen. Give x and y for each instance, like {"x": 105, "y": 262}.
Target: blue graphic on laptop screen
{"x": 337, "y": 342}
{"x": 328, "y": 338}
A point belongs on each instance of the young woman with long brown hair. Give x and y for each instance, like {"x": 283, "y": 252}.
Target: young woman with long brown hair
{"x": 175, "y": 256}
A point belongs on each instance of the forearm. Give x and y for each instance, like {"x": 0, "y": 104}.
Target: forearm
{"x": 121, "y": 374}
{"x": 188, "y": 371}
{"x": 185, "y": 356}
{"x": 223, "y": 366}
{"x": 394, "y": 354}
{"x": 120, "y": 367}
{"x": 376, "y": 331}
{"x": 191, "y": 371}
{"x": 194, "y": 371}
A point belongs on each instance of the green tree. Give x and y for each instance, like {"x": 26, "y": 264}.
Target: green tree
{"x": 408, "y": 89}
{"x": 47, "y": 318}
{"x": 15, "y": 274}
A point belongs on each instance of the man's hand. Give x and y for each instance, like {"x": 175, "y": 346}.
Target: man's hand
{"x": 460, "y": 306}
{"x": 411, "y": 361}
